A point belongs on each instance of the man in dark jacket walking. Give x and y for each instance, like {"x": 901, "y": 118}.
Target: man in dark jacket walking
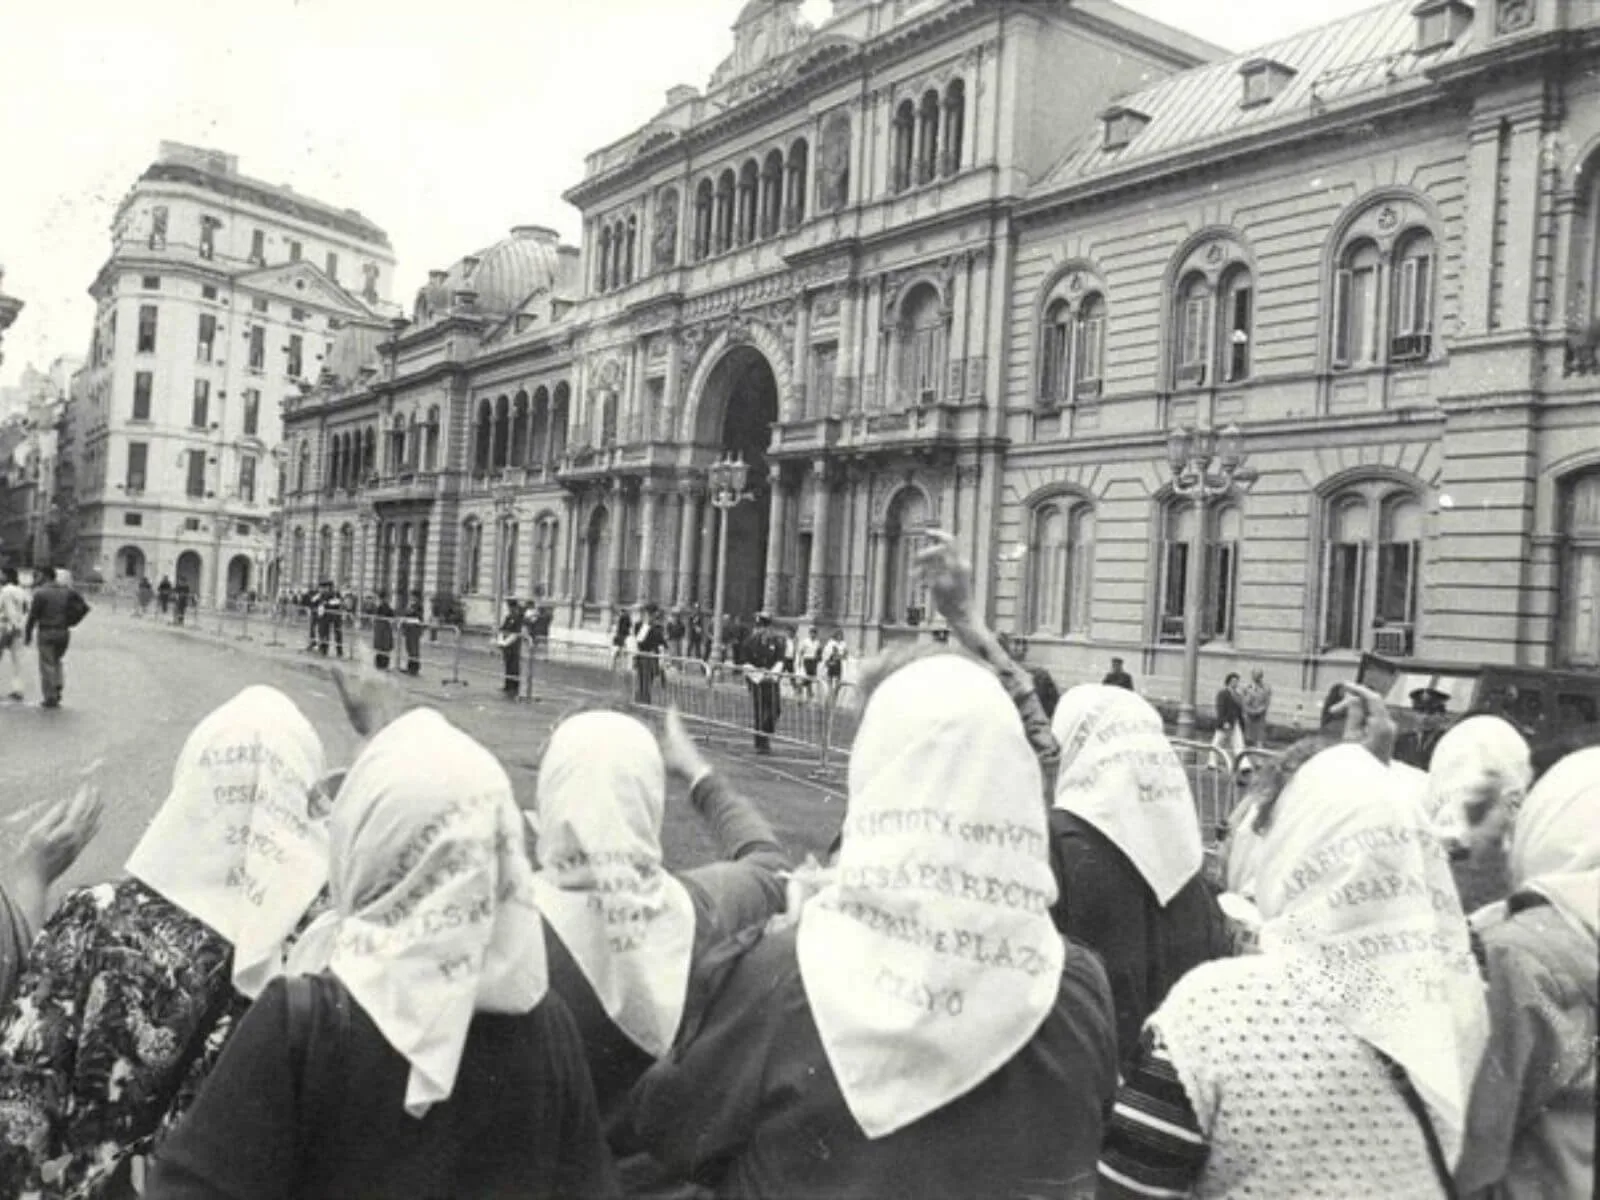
{"x": 54, "y": 613}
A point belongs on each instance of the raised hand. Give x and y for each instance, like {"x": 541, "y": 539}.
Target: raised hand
{"x": 1367, "y": 721}
{"x": 371, "y": 700}
{"x": 54, "y": 841}
{"x": 947, "y": 576}
{"x": 679, "y": 754}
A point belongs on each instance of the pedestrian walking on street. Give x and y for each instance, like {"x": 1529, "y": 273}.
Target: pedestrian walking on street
{"x": 1117, "y": 677}
{"x": 382, "y": 633}
{"x": 56, "y": 611}
{"x": 164, "y": 594}
{"x": 1257, "y": 701}
{"x": 762, "y": 655}
{"x": 411, "y": 635}
{"x": 146, "y": 593}
{"x": 13, "y": 617}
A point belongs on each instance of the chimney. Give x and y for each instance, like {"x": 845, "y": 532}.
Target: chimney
{"x": 437, "y": 277}
{"x": 464, "y": 301}
{"x": 542, "y": 234}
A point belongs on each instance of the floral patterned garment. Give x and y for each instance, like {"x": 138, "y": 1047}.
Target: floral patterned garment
{"x": 126, "y": 1003}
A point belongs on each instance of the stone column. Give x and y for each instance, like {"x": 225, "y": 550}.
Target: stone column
{"x": 617, "y": 510}
{"x": 849, "y": 370}
{"x": 688, "y": 511}
{"x": 817, "y": 598}
{"x": 649, "y": 501}
{"x": 569, "y": 535}
{"x": 875, "y": 573}
{"x": 769, "y": 594}
{"x": 799, "y": 407}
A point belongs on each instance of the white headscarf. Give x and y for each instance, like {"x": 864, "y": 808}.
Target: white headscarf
{"x": 236, "y": 845}
{"x": 628, "y": 924}
{"x": 1119, "y": 773}
{"x": 1356, "y": 891}
{"x": 434, "y": 913}
{"x": 931, "y": 960}
{"x": 1555, "y": 844}
{"x": 1481, "y": 759}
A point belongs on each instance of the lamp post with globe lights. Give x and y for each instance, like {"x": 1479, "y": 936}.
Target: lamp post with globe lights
{"x": 1206, "y": 465}
{"x": 727, "y": 478}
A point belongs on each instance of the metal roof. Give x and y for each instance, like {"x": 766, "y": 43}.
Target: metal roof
{"x": 1359, "y": 57}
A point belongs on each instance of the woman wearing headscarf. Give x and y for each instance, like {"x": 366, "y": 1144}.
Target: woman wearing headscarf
{"x": 425, "y": 1057}
{"x": 1481, "y": 770}
{"x": 1531, "y": 1127}
{"x": 1126, "y": 850}
{"x": 923, "y": 1030}
{"x": 133, "y": 986}
{"x": 1338, "y": 1061}
{"x": 626, "y": 933}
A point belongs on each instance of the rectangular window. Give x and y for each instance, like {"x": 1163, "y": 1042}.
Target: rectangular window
{"x": 333, "y": 266}
{"x": 158, "y": 228}
{"x": 1355, "y": 295}
{"x": 258, "y": 348}
{"x": 1174, "y": 590}
{"x": 138, "y": 463}
{"x": 1088, "y": 353}
{"x": 151, "y": 283}
{"x": 192, "y": 524}
{"x": 298, "y": 315}
{"x": 258, "y": 247}
{"x": 1397, "y": 583}
{"x": 208, "y": 237}
{"x": 925, "y": 365}
{"x": 1236, "y": 354}
{"x": 200, "y": 410}
{"x": 252, "y": 411}
{"x": 1344, "y": 581}
{"x": 195, "y": 485}
{"x": 207, "y": 292}
{"x": 296, "y": 354}
{"x": 1222, "y": 577}
{"x": 1413, "y": 305}
{"x": 294, "y": 251}
{"x": 143, "y": 386}
{"x": 247, "y": 479}
{"x": 208, "y": 337}
{"x": 260, "y": 305}
{"x": 1053, "y": 376}
{"x": 1192, "y": 338}
{"x": 133, "y": 518}
{"x": 147, "y": 329}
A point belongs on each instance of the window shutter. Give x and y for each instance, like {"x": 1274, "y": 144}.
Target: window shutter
{"x": 1422, "y": 319}
{"x": 1341, "y": 319}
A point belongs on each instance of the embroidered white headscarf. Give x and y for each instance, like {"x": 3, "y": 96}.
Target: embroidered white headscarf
{"x": 1356, "y": 891}
{"x": 628, "y": 924}
{"x": 434, "y": 913}
{"x": 930, "y": 959}
{"x": 1555, "y": 844}
{"x": 1119, "y": 773}
{"x": 1481, "y": 761}
{"x": 236, "y": 845}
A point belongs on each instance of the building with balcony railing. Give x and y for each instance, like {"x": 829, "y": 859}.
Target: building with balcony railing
{"x": 221, "y": 299}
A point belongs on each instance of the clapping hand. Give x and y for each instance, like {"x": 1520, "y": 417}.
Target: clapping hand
{"x": 54, "y": 841}
{"x": 679, "y": 754}
{"x": 1367, "y": 721}
{"x": 947, "y": 576}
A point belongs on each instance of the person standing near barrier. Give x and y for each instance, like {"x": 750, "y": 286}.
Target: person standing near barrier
{"x": 382, "y": 633}
{"x": 652, "y": 640}
{"x": 762, "y": 654}
{"x": 1257, "y": 700}
{"x": 808, "y": 653}
{"x": 13, "y": 616}
{"x": 697, "y": 633}
{"x": 411, "y": 635}
{"x": 330, "y": 619}
{"x": 675, "y": 633}
{"x": 509, "y": 639}
{"x": 55, "y": 612}
{"x": 833, "y": 658}
{"x": 164, "y": 594}
{"x": 181, "y": 596}
{"x": 1229, "y": 738}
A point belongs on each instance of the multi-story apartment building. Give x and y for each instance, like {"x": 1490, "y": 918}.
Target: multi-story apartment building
{"x": 221, "y": 299}
{"x": 972, "y": 265}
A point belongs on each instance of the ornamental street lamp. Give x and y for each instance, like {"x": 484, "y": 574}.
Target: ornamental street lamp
{"x": 727, "y": 478}
{"x": 1205, "y": 466}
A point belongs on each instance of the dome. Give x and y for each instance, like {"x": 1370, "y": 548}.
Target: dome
{"x": 508, "y": 272}
{"x": 353, "y": 348}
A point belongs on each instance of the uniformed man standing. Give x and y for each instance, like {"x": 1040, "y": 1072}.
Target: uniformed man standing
{"x": 762, "y": 652}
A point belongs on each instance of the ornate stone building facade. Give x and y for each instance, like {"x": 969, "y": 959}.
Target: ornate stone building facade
{"x": 969, "y": 264}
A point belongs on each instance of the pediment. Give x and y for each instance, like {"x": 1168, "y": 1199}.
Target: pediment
{"x": 302, "y": 283}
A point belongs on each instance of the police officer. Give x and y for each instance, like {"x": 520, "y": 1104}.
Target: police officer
{"x": 762, "y": 653}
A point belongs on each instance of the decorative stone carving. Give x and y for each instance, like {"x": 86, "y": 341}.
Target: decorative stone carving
{"x": 609, "y": 376}
{"x": 1388, "y": 218}
{"x": 1513, "y": 15}
{"x": 833, "y": 162}
{"x": 666, "y": 239}
{"x": 826, "y": 304}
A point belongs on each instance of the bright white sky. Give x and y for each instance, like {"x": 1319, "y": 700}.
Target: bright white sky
{"x": 446, "y": 123}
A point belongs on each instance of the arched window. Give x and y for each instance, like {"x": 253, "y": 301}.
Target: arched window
{"x": 1071, "y": 346}
{"x": 1580, "y": 571}
{"x": 560, "y": 410}
{"x": 483, "y": 436}
{"x": 502, "y": 432}
{"x": 347, "y": 556}
{"x": 1235, "y": 329}
{"x": 903, "y": 528}
{"x": 726, "y": 189}
{"x": 955, "y": 125}
{"x": 1060, "y": 567}
{"x": 798, "y": 172}
{"x": 1192, "y": 340}
{"x": 471, "y": 555}
{"x": 905, "y": 143}
{"x": 397, "y": 444}
{"x": 414, "y": 444}
{"x": 608, "y": 418}
{"x": 772, "y": 193}
{"x": 332, "y": 479}
{"x": 749, "y": 191}
{"x": 1055, "y": 353}
{"x": 596, "y": 550}
{"x": 1355, "y": 306}
{"x": 1220, "y": 577}
{"x": 928, "y": 120}
{"x": 539, "y": 429}
{"x": 604, "y": 282}
{"x": 704, "y": 206}
{"x": 369, "y": 454}
{"x": 1371, "y": 568}
{"x": 430, "y": 457}
{"x": 1411, "y": 314}
{"x": 520, "y": 450}
{"x": 922, "y": 346}
{"x": 630, "y": 249}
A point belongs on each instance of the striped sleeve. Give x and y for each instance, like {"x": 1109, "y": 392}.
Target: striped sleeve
{"x": 1153, "y": 1145}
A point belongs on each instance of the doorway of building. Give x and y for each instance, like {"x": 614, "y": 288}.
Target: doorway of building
{"x": 130, "y": 563}
{"x": 238, "y": 575}
{"x": 188, "y": 571}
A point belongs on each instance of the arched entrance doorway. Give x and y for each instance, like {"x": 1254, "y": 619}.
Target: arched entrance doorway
{"x": 737, "y": 409}
{"x": 238, "y": 575}
{"x": 189, "y": 570}
{"x": 130, "y": 562}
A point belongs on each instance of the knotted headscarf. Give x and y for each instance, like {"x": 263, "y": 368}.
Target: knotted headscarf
{"x": 628, "y": 924}
{"x": 1479, "y": 763}
{"x": 930, "y": 959}
{"x": 237, "y": 845}
{"x": 1120, "y": 773}
{"x": 1555, "y": 844}
{"x": 434, "y": 912}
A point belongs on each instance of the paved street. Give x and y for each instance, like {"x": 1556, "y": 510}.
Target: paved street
{"x": 135, "y": 689}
